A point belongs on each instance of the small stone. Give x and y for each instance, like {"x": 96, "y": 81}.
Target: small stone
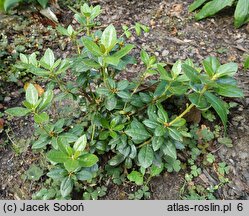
{"x": 165, "y": 53}
{"x": 7, "y": 99}
{"x": 156, "y": 53}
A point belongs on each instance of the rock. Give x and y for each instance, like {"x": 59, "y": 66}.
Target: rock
{"x": 7, "y": 99}
{"x": 165, "y": 53}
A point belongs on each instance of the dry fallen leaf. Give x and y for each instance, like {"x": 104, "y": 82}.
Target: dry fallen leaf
{"x": 38, "y": 88}
{"x": 1, "y": 124}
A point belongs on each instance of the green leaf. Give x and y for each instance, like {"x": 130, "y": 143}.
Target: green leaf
{"x": 48, "y": 57}
{"x": 17, "y": 111}
{"x": 199, "y": 101}
{"x": 228, "y": 69}
{"x": 66, "y": 186}
{"x": 179, "y": 122}
{"x": 160, "y": 131}
{"x": 57, "y": 156}
{"x": 191, "y": 73}
{"x": 162, "y": 114}
{"x": 229, "y": 90}
{"x": 34, "y": 173}
{"x": 41, "y": 142}
{"x": 150, "y": 123}
{"x": 92, "y": 47}
{"x": 122, "y": 85}
{"x": 109, "y": 38}
{"x": 71, "y": 165}
{"x": 123, "y": 51}
{"x": 196, "y": 4}
{"x": 116, "y": 160}
{"x": 80, "y": 144}
{"x": 157, "y": 142}
{"x": 124, "y": 95}
{"x": 111, "y": 60}
{"x": 43, "y": 3}
{"x": 176, "y": 69}
{"x": 145, "y": 57}
{"x": 47, "y": 97}
{"x": 57, "y": 174}
{"x": 170, "y": 150}
{"x": 10, "y": 3}
{"x": 88, "y": 160}
{"x": 164, "y": 75}
{"x": 31, "y": 94}
{"x": 84, "y": 175}
{"x": 211, "y": 64}
{"x": 175, "y": 134}
{"x": 146, "y": 156}
{"x": 41, "y": 118}
{"x": 111, "y": 102}
{"x": 138, "y": 135}
{"x": 246, "y": 62}
{"x": 212, "y": 8}
{"x": 241, "y": 14}
{"x": 156, "y": 170}
{"x": 136, "y": 177}
{"x": 219, "y": 107}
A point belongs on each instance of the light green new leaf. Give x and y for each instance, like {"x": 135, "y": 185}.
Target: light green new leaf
{"x": 17, "y": 111}
{"x": 88, "y": 160}
{"x": 43, "y": 3}
{"x": 109, "y": 38}
{"x": 136, "y": 177}
{"x": 146, "y": 156}
{"x": 241, "y": 14}
{"x": 66, "y": 186}
{"x": 218, "y": 105}
{"x": 57, "y": 156}
{"x": 212, "y": 8}
{"x": 71, "y": 165}
{"x": 211, "y": 64}
{"x": 41, "y": 118}
{"x": 80, "y": 144}
{"x": 48, "y": 57}
{"x": 32, "y": 94}
{"x": 228, "y": 69}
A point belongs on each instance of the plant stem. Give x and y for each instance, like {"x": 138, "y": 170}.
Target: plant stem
{"x": 145, "y": 143}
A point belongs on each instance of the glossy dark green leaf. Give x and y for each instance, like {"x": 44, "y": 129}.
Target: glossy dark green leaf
{"x": 160, "y": 131}
{"x": 157, "y": 142}
{"x": 112, "y": 60}
{"x": 229, "y": 91}
{"x": 150, "y": 124}
{"x": 41, "y": 142}
{"x": 179, "y": 122}
{"x": 122, "y": 85}
{"x": 191, "y": 73}
{"x": 164, "y": 75}
{"x": 116, "y": 160}
{"x": 212, "y": 8}
{"x": 162, "y": 114}
{"x": 146, "y": 156}
{"x": 47, "y": 98}
{"x": 170, "y": 150}
{"x": 84, "y": 175}
{"x": 199, "y": 101}
{"x": 124, "y": 95}
{"x": 175, "y": 134}
{"x": 145, "y": 57}
{"x": 138, "y": 134}
{"x": 218, "y": 105}
{"x": 66, "y": 186}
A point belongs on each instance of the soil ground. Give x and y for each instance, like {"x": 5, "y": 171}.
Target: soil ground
{"x": 174, "y": 35}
